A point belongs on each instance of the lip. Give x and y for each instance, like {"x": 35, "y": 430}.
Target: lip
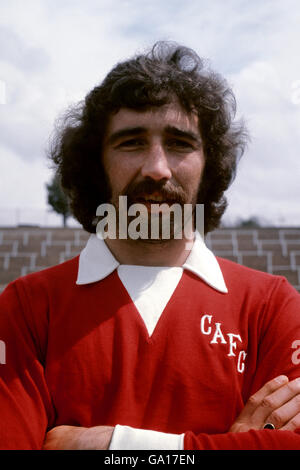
{"x": 155, "y": 207}
{"x": 154, "y": 198}
{"x": 149, "y": 202}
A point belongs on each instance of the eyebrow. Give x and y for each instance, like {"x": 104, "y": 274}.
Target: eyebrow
{"x": 126, "y": 132}
{"x": 171, "y": 130}
{"x": 182, "y": 133}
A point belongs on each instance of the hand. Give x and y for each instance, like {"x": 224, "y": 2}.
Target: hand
{"x": 78, "y": 438}
{"x": 277, "y": 402}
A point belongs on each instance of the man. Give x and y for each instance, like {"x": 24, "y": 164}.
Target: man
{"x": 150, "y": 342}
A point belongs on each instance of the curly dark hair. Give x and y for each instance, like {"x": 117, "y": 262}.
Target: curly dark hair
{"x": 168, "y": 72}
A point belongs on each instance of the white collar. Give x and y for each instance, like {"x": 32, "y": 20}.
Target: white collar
{"x": 96, "y": 262}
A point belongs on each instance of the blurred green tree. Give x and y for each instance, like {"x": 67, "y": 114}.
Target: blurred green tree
{"x": 252, "y": 222}
{"x": 57, "y": 198}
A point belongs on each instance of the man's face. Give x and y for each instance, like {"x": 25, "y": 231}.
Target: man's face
{"x": 154, "y": 156}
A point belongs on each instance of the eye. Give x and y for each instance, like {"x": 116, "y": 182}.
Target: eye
{"x": 131, "y": 143}
{"x": 180, "y": 144}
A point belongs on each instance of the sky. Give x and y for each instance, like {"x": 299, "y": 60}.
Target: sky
{"x": 53, "y": 52}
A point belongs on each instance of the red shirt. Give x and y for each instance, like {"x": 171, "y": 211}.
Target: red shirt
{"x": 81, "y": 355}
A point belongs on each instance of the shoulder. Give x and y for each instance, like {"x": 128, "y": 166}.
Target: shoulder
{"x": 234, "y": 270}
{"x": 42, "y": 283}
{"x": 243, "y": 280}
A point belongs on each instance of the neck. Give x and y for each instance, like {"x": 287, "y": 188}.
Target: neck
{"x": 147, "y": 253}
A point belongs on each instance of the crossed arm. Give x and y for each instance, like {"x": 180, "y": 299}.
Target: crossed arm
{"x": 277, "y": 402}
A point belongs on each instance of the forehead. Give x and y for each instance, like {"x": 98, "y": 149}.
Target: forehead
{"x": 154, "y": 119}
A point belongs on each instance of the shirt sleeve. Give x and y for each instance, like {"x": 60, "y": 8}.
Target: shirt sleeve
{"x": 128, "y": 438}
{"x": 25, "y": 403}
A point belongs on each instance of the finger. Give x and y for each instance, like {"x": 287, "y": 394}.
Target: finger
{"x": 292, "y": 425}
{"x": 255, "y": 400}
{"x": 285, "y": 413}
{"x": 276, "y": 405}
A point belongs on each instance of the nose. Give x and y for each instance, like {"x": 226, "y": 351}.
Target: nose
{"x": 156, "y": 164}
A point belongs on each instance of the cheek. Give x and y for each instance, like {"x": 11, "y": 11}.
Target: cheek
{"x": 191, "y": 173}
{"x": 111, "y": 174}
{"x": 115, "y": 180}
{"x": 198, "y": 170}
{"x": 119, "y": 174}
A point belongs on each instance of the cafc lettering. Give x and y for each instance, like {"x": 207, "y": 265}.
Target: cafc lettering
{"x": 214, "y": 330}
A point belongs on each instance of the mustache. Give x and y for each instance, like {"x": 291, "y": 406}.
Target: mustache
{"x": 168, "y": 191}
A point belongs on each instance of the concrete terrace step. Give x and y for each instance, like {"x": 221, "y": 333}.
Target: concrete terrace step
{"x": 273, "y": 250}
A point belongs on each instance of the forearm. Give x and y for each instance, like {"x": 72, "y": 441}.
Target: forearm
{"x": 276, "y": 402}
{"x": 78, "y": 438}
